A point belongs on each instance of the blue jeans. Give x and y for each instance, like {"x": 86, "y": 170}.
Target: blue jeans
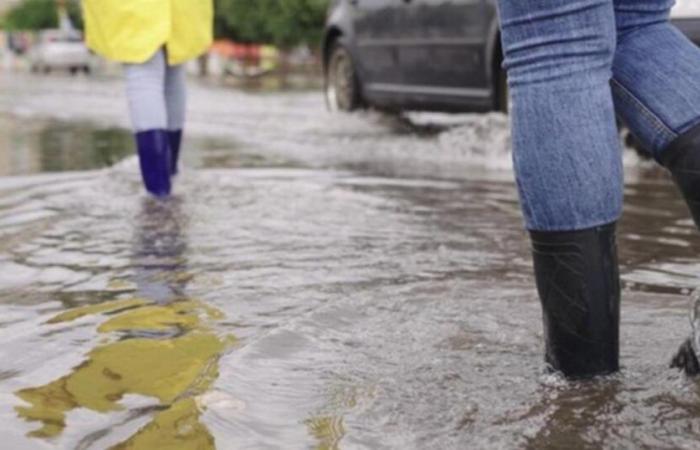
{"x": 156, "y": 94}
{"x": 572, "y": 66}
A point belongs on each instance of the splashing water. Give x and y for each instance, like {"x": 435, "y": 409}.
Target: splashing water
{"x": 321, "y": 282}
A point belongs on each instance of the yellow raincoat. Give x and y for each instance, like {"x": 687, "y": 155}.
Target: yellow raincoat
{"x": 131, "y": 31}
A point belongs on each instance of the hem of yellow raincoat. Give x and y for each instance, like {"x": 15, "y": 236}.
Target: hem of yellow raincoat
{"x": 183, "y": 59}
{"x": 142, "y": 57}
{"x": 177, "y": 60}
{"x": 133, "y": 58}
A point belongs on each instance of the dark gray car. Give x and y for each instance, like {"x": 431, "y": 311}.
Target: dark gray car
{"x": 439, "y": 55}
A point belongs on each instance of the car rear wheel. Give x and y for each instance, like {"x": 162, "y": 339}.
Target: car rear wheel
{"x": 342, "y": 83}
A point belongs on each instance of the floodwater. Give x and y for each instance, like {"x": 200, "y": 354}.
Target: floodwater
{"x": 317, "y": 282}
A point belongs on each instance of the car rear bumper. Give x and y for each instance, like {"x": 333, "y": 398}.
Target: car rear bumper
{"x": 690, "y": 27}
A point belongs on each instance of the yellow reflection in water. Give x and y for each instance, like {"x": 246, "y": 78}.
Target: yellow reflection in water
{"x": 169, "y": 352}
{"x": 328, "y": 431}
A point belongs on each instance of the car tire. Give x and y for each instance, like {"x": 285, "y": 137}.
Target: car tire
{"x": 343, "y": 87}
{"x": 87, "y": 70}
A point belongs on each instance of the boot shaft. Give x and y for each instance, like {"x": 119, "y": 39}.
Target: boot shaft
{"x": 155, "y": 161}
{"x": 175, "y": 142}
{"x": 682, "y": 159}
{"x": 578, "y": 283}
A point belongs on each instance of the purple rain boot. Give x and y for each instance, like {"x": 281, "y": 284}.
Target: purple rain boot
{"x": 175, "y": 139}
{"x": 155, "y": 159}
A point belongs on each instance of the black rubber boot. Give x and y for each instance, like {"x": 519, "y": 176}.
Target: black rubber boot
{"x": 682, "y": 159}
{"x": 686, "y": 360}
{"x": 579, "y": 285}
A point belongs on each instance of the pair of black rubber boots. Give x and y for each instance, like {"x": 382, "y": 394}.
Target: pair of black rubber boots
{"x": 579, "y": 284}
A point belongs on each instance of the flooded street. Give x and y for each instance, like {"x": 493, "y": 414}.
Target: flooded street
{"x": 317, "y": 282}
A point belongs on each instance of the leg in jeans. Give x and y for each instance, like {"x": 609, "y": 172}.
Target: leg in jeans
{"x": 657, "y": 93}
{"x": 146, "y": 94}
{"x": 567, "y": 153}
{"x": 559, "y": 56}
{"x": 176, "y": 100}
{"x": 657, "y": 90}
{"x": 656, "y": 74}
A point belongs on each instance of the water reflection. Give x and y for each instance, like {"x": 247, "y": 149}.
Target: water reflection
{"x": 158, "y": 344}
{"x": 159, "y": 251}
{"x": 327, "y": 430}
{"x": 34, "y": 146}
{"x": 82, "y": 147}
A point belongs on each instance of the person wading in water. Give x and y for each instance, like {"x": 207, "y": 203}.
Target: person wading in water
{"x": 153, "y": 39}
{"x": 573, "y": 65}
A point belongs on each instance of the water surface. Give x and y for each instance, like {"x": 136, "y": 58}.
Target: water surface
{"x": 361, "y": 302}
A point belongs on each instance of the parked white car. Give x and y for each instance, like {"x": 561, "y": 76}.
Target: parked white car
{"x": 686, "y": 16}
{"x": 60, "y": 50}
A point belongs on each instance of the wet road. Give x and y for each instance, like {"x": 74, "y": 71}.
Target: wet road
{"x": 317, "y": 282}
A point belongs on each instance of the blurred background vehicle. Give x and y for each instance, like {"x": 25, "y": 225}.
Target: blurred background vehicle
{"x": 260, "y": 44}
{"x": 425, "y": 55}
{"x": 686, "y": 16}
{"x": 419, "y": 55}
{"x": 60, "y": 50}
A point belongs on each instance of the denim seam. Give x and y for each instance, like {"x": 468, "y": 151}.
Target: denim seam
{"x": 655, "y": 120}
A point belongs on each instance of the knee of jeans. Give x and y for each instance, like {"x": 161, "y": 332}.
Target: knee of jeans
{"x": 174, "y": 80}
{"x": 568, "y": 56}
{"x": 557, "y": 39}
{"x": 631, "y": 16}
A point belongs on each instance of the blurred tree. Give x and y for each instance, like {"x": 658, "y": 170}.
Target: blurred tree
{"x": 40, "y": 14}
{"x": 244, "y": 20}
{"x": 285, "y": 23}
{"x": 299, "y": 22}
{"x": 222, "y": 30}
{"x": 75, "y": 12}
{"x": 32, "y": 15}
